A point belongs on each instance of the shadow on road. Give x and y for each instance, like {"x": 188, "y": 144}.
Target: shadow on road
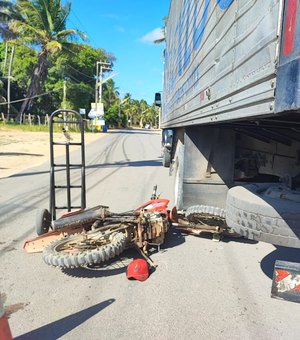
{"x": 179, "y": 235}
{"x": 173, "y": 239}
{"x": 115, "y": 266}
{"x": 20, "y": 154}
{"x": 34, "y": 173}
{"x": 240, "y": 239}
{"x": 112, "y": 267}
{"x": 136, "y": 131}
{"x": 280, "y": 253}
{"x": 59, "y": 328}
{"x": 119, "y": 264}
{"x": 150, "y": 162}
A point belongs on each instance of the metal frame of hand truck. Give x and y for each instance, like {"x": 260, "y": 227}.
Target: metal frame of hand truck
{"x": 65, "y": 120}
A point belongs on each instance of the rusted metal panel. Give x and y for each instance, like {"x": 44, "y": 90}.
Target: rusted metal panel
{"x": 221, "y": 59}
{"x": 38, "y": 244}
{"x": 286, "y": 281}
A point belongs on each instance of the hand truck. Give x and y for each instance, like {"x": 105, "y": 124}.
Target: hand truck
{"x": 64, "y": 118}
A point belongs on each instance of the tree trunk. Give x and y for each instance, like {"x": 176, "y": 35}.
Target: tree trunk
{"x": 141, "y": 122}
{"x": 9, "y": 80}
{"x": 39, "y": 76}
{"x": 5, "y": 58}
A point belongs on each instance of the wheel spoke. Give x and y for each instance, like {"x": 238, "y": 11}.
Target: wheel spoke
{"x": 84, "y": 249}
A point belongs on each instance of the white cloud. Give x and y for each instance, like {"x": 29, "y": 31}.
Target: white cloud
{"x": 152, "y": 36}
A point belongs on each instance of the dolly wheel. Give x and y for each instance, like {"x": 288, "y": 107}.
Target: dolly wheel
{"x": 43, "y": 221}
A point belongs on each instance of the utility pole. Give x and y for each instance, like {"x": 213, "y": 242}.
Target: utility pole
{"x": 97, "y": 84}
{"x": 9, "y": 80}
{"x": 64, "y": 94}
{"x": 98, "y": 110}
{"x": 65, "y": 102}
{"x": 104, "y": 65}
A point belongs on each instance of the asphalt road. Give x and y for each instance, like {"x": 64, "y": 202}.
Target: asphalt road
{"x": 200, "y": 290}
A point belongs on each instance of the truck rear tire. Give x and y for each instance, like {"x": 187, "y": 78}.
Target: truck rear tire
{"x": 265, "y": 212}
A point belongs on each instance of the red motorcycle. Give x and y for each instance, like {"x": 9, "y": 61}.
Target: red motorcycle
{"x": 96, "y": 235}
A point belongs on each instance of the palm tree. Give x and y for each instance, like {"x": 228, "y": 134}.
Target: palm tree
{"x": 135, "y": 109}
{"x": 127, "y": 100}
{"x": 110, "y": 94}
{"x": 144, "y": 107}
{"x": 42, "y": 24}
{"x": 7, "y": 36}
{"x": 151, "y": 116}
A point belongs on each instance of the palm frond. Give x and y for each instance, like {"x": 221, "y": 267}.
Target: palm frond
{"x": 37, "y": 23}
{"x": 53, "y": 46}
{"x": 72, "y": 34}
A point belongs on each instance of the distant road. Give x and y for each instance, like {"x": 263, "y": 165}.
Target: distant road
{"x": 200, "y": 290}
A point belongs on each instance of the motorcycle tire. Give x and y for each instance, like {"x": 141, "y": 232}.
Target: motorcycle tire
{"x": 84, "y": 249}
{"x": 205, "y": 209}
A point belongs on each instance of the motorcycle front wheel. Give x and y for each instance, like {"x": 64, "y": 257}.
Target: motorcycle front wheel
{"x": 84, "y": 249}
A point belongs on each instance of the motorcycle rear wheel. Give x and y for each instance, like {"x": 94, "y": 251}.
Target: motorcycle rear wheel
{"x": 84, "y": 249}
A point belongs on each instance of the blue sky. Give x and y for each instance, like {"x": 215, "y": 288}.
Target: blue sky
{"x": 126, "y": 28}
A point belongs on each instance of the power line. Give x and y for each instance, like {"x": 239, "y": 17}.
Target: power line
{"x": 38, "y": 95}
{"x": 75, "y": 15}
{"x": 46, "y": 93}
{"x": 84, "y": 74}
{"x": 81, "y": 24}
{"x": 77, "y": 82}
{"x": 73, "y": 68}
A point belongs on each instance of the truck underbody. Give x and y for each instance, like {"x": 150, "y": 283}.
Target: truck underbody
{"x": 216, "y": 157}
{"x": 231, "y": 111}
{"x": 208, "y": 160}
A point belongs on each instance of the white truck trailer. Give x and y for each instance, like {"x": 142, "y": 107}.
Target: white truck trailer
{"x": 231, "y": 112}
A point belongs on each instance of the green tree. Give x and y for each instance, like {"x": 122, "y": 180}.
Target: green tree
{"x": 134, "y": 111}
{"x": 110, "y": 95}
{"x": 78, "y": 69}
{"x": 126, "y": 107}
{"x": 22, "y": 66}
{"x": 115, "y": 116}
{"x": 40, "y": 23}
{"x": 144, "y": 107}
{"x": 152, "y": 116}
{"x": 7, "y": 36}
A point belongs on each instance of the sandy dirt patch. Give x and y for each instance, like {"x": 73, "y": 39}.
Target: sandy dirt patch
{"x": 22, "y": 150}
